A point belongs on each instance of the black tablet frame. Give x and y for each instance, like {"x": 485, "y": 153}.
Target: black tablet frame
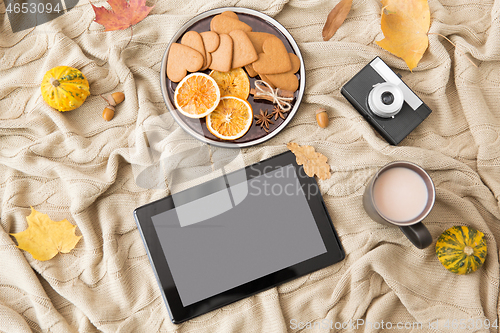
{"x": 178, "y": 313}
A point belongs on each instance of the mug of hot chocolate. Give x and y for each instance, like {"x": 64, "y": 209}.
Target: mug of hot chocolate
{"x": 402, "y": 194}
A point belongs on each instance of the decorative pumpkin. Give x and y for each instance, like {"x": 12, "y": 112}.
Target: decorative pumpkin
{"x": 461, "y": 250}
{"x": 64, "y": 88}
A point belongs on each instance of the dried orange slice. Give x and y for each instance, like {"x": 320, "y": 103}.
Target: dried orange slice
{"x": 232, "y": 83}
{"x": 196, "y": 95}
{"x": 231, "y": 119}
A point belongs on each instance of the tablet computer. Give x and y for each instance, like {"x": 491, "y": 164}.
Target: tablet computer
{"x": 237, "y": 235}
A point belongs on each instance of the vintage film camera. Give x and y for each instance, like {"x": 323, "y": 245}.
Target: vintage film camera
{"x": 385, "y": 101}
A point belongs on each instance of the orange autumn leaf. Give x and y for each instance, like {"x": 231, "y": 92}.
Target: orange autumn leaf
{"x": 314, "y": 163}
{"x": 405, "y": 24}
{"x": 335, "y": 19}
{"x": 122, "y": 15}
{"x": 45, "y": 238}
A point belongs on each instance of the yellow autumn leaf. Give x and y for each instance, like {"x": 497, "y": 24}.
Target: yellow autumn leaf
{"x": 45, "y": 238}
{"x": 405, "y": 24}
{"x": 314, "y": 163}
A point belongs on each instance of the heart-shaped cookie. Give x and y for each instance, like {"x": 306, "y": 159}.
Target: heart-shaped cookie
{"x": 208, "y": 61}
{"x": 258, "y": 39}
{"x": 180, "y": 60}
{"x": 288, "y": 80}
{"x": 193, "y": 40}
{"x": 230, "y": 14}
{"x": 274, "y": 59}
{"x": 211, "y": 42}
{"x": 224, "y": 24}
{"x": 222, "y": 57}
{"x": 250, "y": 71}
{"x": 243, "y": 50}
{"x": 264, "y": 78}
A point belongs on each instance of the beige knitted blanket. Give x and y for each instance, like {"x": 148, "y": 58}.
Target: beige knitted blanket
{"x": 75, "y": 165}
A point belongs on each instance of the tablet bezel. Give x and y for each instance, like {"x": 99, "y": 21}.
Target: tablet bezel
{"x": 178, "y": 312}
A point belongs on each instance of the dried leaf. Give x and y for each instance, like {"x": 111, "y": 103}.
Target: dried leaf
{"x": 122, "y": 15}
{"x": 336, "y": 18}
{"x": 314, "y": 163}
{"x": 405, "y": 24}
{"x": 45, "y": 238}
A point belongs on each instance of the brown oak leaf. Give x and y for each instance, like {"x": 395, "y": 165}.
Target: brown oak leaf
{"x": 335, "y": 19}
{"x": 314, "y": 163}
{"x": 122, "y": 15}
{"x": 45, "y": 238}
{"x": 405, "y": 24}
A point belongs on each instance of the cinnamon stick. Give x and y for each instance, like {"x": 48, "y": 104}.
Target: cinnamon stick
{"x": 281, "y": 93}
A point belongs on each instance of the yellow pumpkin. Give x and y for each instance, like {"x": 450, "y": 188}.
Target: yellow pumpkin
{"x": 64, "y": 88}
{"x": 461, "y": 250}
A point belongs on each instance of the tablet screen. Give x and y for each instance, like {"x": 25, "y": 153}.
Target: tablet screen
{"x": 260, "y": 227}
{"x": 236, "y": 235}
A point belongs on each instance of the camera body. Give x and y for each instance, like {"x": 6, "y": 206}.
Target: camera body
{"x": 385, "y": 101}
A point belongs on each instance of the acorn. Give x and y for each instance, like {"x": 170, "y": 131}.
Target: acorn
{"x": 322, "y": 118}
{"x": 108, "y": 113}
{"x": 115, "y": 98}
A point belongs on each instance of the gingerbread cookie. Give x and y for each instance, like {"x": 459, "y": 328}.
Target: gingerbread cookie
{"x": 264, "y": 78}
{"x": 295, "y": 62}
{"x": 222, "y": 57}
{"x": 288, "y": 80}
{"x": 193, "y": 40}
{"x": 243, "y": 50}
{"x": 258, "y": 39}
{"x": 211, "y": 42}
{"x": 274, "y": 59}
{"x": 207, "y": 62}
{"x": 180, "y": 60}
{"x": 250, "y": 71}
{"x": 224, "y": 24}
{"x": 230, "y": 14}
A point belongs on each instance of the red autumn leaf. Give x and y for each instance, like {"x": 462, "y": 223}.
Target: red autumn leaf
{"x": 122, "y": 15}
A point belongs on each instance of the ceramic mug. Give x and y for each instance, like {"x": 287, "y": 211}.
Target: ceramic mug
{"x": 402, "y": 194}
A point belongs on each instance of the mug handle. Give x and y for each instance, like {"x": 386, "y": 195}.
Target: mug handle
{"x": 418, "y": 234}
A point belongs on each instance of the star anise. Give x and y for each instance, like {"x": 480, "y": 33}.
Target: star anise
{"x": 278, "y": 112}
{"x": 264, "y": 119}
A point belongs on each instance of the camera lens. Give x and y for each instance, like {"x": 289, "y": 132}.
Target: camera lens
{"x": 387, "y": 98}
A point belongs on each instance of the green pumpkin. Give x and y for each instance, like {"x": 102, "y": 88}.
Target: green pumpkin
{"x": 461, "y": 250}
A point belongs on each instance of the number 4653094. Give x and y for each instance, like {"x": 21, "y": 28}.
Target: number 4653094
{"x": 32, "y": 8}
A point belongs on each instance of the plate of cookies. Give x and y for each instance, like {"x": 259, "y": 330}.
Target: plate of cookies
{"x": 232, "y": 77}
